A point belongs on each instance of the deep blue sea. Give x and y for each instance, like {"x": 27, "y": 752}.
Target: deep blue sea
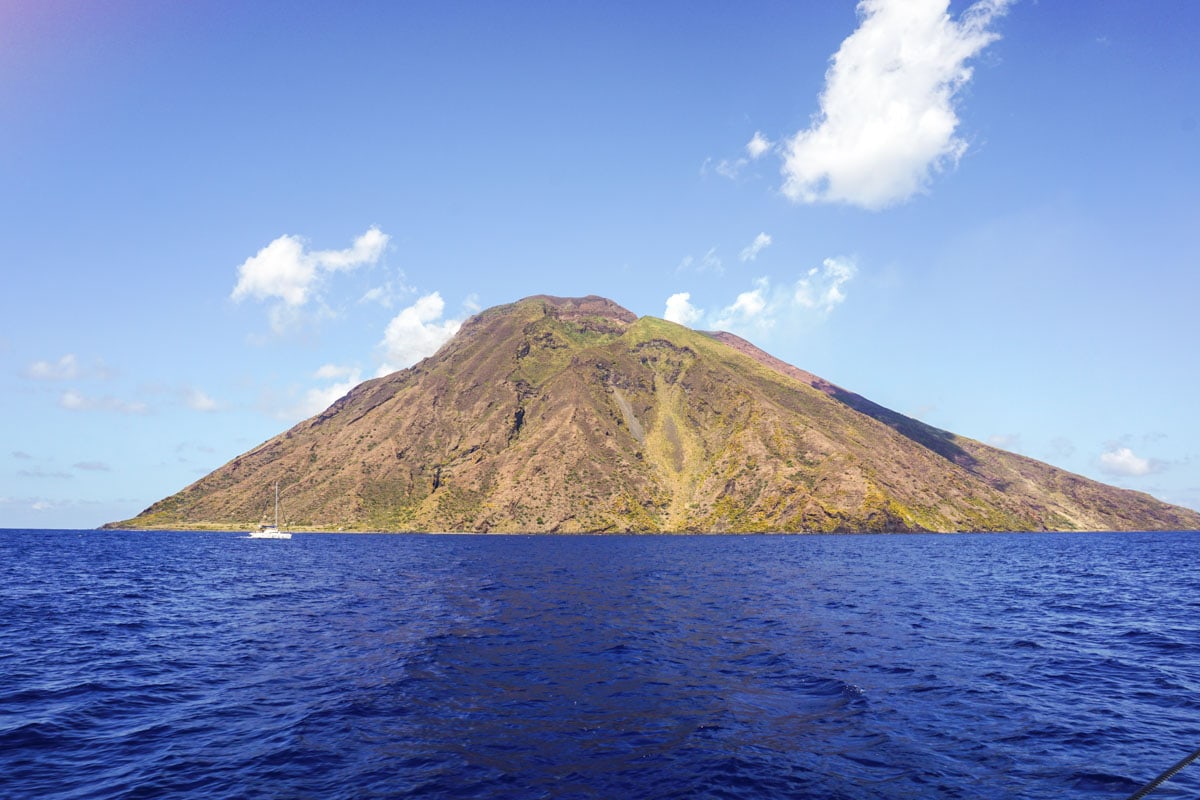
{"x": 210, "y": 665}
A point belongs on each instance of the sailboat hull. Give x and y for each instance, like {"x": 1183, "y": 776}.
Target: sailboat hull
{"x": 270, "y": 533}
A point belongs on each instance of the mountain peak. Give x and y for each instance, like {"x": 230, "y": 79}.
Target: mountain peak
{"x": 573, "y": 414}
{"x": 579, "y": 307}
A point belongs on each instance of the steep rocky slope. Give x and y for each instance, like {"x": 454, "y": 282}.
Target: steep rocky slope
{"x": 555, "y": 414}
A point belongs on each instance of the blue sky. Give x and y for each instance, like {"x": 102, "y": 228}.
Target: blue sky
{"x": 217, "y": 216}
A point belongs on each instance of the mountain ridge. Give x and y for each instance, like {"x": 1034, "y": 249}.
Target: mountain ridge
{"x": 574, "y": 415}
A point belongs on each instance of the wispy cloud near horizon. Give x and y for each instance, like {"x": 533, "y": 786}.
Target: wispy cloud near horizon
{"x": 757, "y": 310}
{"x": 821, "y": 288}
{"x": 73, "y": 400}
{"x": 751, "y": 251}
{"x": 68, "y": 368}
{"x": 65, "y": 369}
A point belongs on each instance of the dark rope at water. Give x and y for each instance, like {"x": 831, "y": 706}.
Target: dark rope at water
{"x": 1166, "y": 776}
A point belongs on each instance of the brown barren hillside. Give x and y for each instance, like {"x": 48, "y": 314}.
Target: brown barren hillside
{"x": 573, "y": 415}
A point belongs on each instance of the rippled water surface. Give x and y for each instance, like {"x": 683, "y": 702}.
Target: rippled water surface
{"x": 209, "y": 665}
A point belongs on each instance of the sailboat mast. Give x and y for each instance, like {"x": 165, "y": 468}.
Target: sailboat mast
{"x": 276, "y": 504}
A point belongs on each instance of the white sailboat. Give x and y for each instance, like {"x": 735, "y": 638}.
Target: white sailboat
{"x": 272, "y": 531}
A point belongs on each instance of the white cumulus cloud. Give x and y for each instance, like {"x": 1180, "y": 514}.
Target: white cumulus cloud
{"x": 888, "y": 118}
{"x": 289, "y": 273}
{"x": 680, "y": 310}
{"x": 366, "y": 250}
{"x": 281, "y": 270}
{"x": 416, "y": 332}
{"x": 751, "y": 251}
{"x": 1123, "y": 461}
